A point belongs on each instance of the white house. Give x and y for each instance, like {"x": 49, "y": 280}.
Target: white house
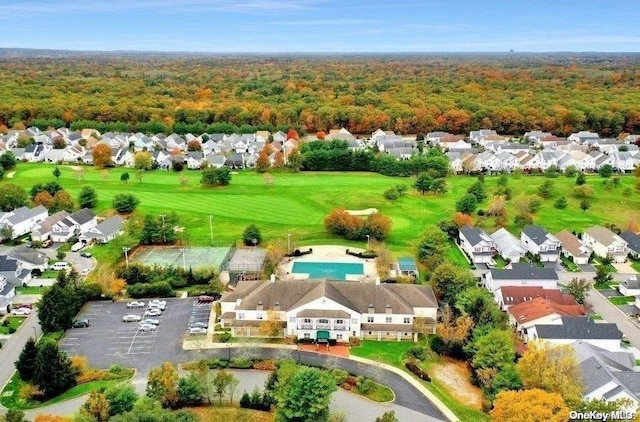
{"x": 7, "y": 292}
{"x": 573, "y": 248}
{"x": 42, "y": 230}
{"x": 538, "y": 241}
{"x": 327, "y": 310}
{"x": 633, "y": 243}
{"x": 507, "y": 245}
{"x": 477, "y": 245}
{"x": 568, "y": 329}
{"x": 103, "y": 232}
{"x": 23, "y": 219}
{"x": 539, "y": 310}
{"x": 520, "y": 275}
{"x": 629, "y": 286}
{"x": 604, "y": 242}
{"x": 75, "y": 224}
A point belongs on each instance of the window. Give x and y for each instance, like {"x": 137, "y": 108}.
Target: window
{"x": 407, "y": 320}
{"x": 241, "y": 315}
{"x": 258, "y": 316}
{"x": 292, "y": 319}
{"x": 306, "y": 335}
{"x": 338, "y": 336}
{"x": 307, "y": 320}
{"x": 354, "y": 333}
{"x": 369, "y": 319}
{"x": 340, "y": 321}
{"x": 323, "y": 321}
{"x": 388, "y": 320}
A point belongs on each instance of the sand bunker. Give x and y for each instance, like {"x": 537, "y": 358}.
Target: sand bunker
{"x": 366, "y": 211}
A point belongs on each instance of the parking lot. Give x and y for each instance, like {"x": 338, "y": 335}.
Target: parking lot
{"x": 109, "y": 340}
{"x": 200, "y": 313}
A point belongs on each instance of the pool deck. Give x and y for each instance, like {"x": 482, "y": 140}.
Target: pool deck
{"x": 329, "y": 253}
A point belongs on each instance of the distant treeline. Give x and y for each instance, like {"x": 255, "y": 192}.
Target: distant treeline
{"x": 511, "y": 94}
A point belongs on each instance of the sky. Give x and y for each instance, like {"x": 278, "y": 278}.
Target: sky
{"x": 322, "y": 26}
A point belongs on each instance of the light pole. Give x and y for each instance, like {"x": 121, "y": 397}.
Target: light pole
{"x": 164, "y": 234}
{"x": 184, "y": 259}
{"x": 289, "y": 243}
{"x": 368, "y": 243}
{"x": 35, "y": 334}
{"x": 229, "y": 351}
{"x": 211, "y": 228}
{"x": 126, "y": 255}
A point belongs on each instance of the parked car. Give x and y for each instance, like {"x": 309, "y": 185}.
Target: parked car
{"x": 206, "y": 299}
{"x": 135, "y": 304}
{"x": 199, "y": 325}
{"x": 59, "y": 266}
{"x": 47, "y": 243}
{"x": 153, "y": 312}
{"x": 86, "y": 271}
{"x": 150, "y": 321}
{"x": 21, "y": 312}
{"x": 131, "y": 318}
{"x": 147, "y": 327}
{"x": 197, "y": 330}
{"x": 25, "y": 305}
{"x": 85, "y": 254}
{"x": 81, "y": 323}
{"x": 157, "y": 305}
{"x": 154, "y": 302}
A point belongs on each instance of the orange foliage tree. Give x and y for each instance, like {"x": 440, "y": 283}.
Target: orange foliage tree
{"x": 341, "y": 223}
{"x": 43, "y": 417}
{"x": 461, "y": 219}
{"x": 102, "y": 156}
{"x": 262, "y": 163}
{"x": 321, "y": 135}
{"x": 293, "y": 134}
{"x": 537, "y": 405}
{"x": 43, "y": 198}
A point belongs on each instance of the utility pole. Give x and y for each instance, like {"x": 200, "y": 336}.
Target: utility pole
{"x": 164, "y": 234}
{"x": 126, "y": 255}
{"x": 184, "y": 259}
{"x": 289, "y": 243}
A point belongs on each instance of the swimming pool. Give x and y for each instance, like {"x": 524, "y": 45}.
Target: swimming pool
{"x": 332, "y": 270}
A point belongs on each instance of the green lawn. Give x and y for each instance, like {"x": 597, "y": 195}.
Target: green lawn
{"x": 455, "y": 255}
{"x": 622, "y": 300}
{"x": 14, "y": 322}
{"x": 604, "y": 286}
{"x": 500, "y": 262}
{"x": 30, "y": 290}
{"x": 596, "y": 317}
{"x": 380, "y": 393}
{"x": 635, "y": 264}
{"x": 49, "y": 274}
{"x": 297, "y": 203}
{"x": 568, "y": 264}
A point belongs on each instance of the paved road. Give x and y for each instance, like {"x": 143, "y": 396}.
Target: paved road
{"x": 629, "y": 327}
{"x": 13, "y": 346}
{"x": 354, "y": 407}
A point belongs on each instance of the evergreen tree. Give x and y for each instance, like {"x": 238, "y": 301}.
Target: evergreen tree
{"x": 53, "y": 373}
{"x": 88, "y": 197}
{"x": 25, "y": 364}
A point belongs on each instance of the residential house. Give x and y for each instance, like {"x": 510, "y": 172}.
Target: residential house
{"x": 520, "y": 275}
{"x": 573, "y": 248}
{"x": 625, "y": 162}
{"x": 54, "y": 156}
{"x": 630, "y": 286}
{"x": 122, "y": 157}
{"x": 633, "y": 243}
{"x": 536, "y": 136}
{"x": 539, "y": 310}
{"x": 543, "y": 160}
{"x": 73, "y": 153}
{"x": 216, "y": 161}
{"x": 30, "y": 259}
{"x": 23, "y": 219}
{"x": 42, "y": 230}
{"x": 507, "y": 296}
{"x": 195, "y": 160}
{"x": 34, "y": 153}
{"x": 19, "y": 153}
{"x": 583, "y": 136}
{"x": 568, "y": 329}
{"x": 13, "y": 272}
{"x": 7, "y": 292}
{"x": 433, "y": 138}
{"x": 331, "y": 310}
{"x": 337, "y": 134}
{"x": 608, "y": 375}
{"x": 108, "y": 230}
{"x": 455, "y": 161}
{"x": 76, "y": 223}
{"x": 538, "y": 241}
{"x": 478, "y": 245}
{"x": 507, "y": 245}
{"x": 604, "y": 242}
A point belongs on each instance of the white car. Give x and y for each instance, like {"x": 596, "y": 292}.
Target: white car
{"x": 135, "y": 304}
{"x": 150, "y": 321}
{"x": 154, "y": 302}
{"x": 131, "y": 318}
{"x": 21, "y": 312}
{"x": 158, "y": 306}
{"x": 197, "y": 330}
{"x": 147, "y": 327}
{"x": 153, "y": 312}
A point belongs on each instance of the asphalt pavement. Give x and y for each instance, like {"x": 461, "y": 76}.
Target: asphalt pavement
{"x": 602, "y": 306}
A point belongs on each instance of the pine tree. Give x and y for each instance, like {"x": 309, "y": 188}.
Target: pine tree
{"x": 53, "y": 373}
{"x": 25, "y": 364}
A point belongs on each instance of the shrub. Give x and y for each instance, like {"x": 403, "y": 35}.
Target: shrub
{"x": 245, "y": 401}
{"x": 346, "y": 386}
{"x": 365, "y": 385}
{"x": 29, "y": 392}
{"x": 417, "y": 352}
{"x": 339, "y": 375}
{"x": 240, "y": 363}
{"x": 251, "y": 234}
{"x": 12, "y": 330}
{"x": 354, "y": 341}
{"x": 224, "y": 337}
{"x": 264, "y": 365}
{"x": 391, "y": 194}
{"x": 437, "y": 345}
{"x": 159, "y": 289}
{"x": 351, "y": 380}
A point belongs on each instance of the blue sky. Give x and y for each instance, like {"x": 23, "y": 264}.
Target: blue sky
{"x": 322, "y": 25}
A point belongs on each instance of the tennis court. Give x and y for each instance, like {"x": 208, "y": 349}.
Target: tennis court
{"x": 181, "y": 257}
{"x": 247, "y": 260}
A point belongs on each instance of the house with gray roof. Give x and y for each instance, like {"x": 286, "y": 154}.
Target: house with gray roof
{"x": 507, "y": 245}
{"x": 406, "y": 266}
{"x": 215, "y": 160}
{"x": 607, "y": 375}
{"x": 331, "y": 310}
{"x": 23, "y": 219}
{"x": 630, "y": 286}
{"x": 7, "y": 293}
{"x": 12, "y": 270}
{"x": 30, "y": 259}
{"x": 108, "y": 230}
{"x": 567, "y": 329}
{"x": 604, "y": 243}
{"x": 73, "y": 225}
{"x": 478, "y": 245}
{"x": 520, "y": 275}
{"x": 42, "y": 230}
{"x": 538, "y": 241}
{"x": 633, "y": 243}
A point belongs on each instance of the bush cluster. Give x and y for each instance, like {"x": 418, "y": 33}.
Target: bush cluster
{"x": 341, "y": 223}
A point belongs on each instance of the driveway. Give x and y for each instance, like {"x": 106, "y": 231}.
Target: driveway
{"x": 610, "y": 293}
{"x": 629, "y": 327}
{"x": 624, "y": 268}
{"x": 13, "y": 346}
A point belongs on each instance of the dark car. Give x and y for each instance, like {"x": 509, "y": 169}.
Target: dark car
{"x": 85, "y": 254}
{"x": 81, "y": 323}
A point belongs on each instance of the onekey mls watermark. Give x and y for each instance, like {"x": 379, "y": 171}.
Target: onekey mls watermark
{"x": 594, "y": 415}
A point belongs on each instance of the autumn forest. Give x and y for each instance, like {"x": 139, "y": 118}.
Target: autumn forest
{"x": 407, "y": 94}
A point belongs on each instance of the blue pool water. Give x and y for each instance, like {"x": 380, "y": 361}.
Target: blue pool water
{"x": 332, "y": 270}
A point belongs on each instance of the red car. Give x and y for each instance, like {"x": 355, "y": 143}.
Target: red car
{"x": 26, "y": 305}
{"x": 206, "y": 299}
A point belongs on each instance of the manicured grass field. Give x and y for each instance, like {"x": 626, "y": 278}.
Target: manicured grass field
{"x": 297, "y": 203}
{"x": 568, "y": 264}
{"x": 635, "y": 265}
{"x": 14, "y": 322}
{"x": 389, "y": 352}
{"x": 622, "y": 300}
{"x": 30, "y": 290}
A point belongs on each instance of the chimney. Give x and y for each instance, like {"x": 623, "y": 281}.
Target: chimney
{"x": 259, "y": 307}
{"x": 389, "y": 310}
{"x": 276, "y": 307}
{"x": 371, "y": 309}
